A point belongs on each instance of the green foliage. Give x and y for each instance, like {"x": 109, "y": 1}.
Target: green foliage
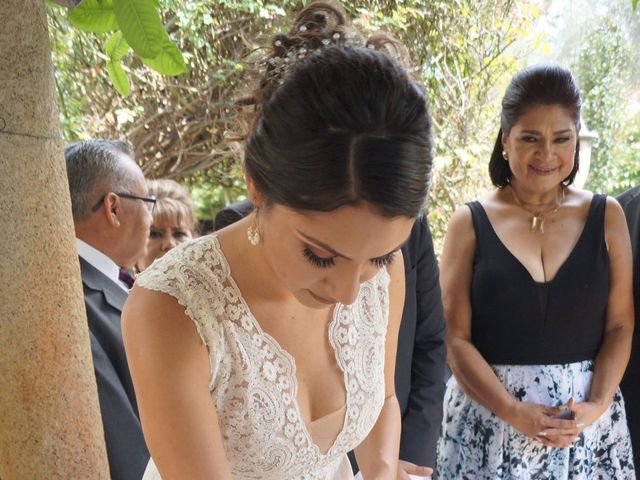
{"x": 629, "y": 162}
{"x": 118, "y": 77}
{"x": 210, "y": 197}
{"x": 606, "y": 67}
{"x": 116, "y": 47}
{"x": 95, "y": 16}
{"x": 141, "y": 25}
{"x": 138, "y": 26}
{"x": 169, "y": 60}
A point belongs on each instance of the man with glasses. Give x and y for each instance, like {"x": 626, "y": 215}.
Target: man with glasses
{"x": 112, "y": 215}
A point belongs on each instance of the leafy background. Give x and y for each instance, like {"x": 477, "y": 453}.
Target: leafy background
{"x": 176, "y": 103}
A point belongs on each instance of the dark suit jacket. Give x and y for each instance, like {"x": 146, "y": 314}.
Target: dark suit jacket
{"x": 421, "y": 357}
{"x": 420, "y": 360}
{"x": 630, "y": 385}
{"x": 126, "y": 448}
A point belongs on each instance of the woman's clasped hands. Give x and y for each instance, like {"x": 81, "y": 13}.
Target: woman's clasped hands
{"x": 557, "y": 427}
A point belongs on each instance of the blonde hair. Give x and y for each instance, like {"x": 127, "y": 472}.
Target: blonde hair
{"x": 173, "y": 203}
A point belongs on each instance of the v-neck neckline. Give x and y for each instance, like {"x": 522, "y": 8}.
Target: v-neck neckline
{"x": 519, "y": 262}
{"x": 290, "y": 359}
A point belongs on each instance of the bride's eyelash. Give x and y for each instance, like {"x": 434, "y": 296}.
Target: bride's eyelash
{"x": 317, "y": 261}
{"x": 322, "y": 262}
{"x": 384, "y": 261}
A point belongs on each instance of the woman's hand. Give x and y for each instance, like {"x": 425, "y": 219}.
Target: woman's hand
{"x": 583, "y": 413}
{"x": 586, "y": 413}
{"x": 537, "y": 421}
{"x": 407, "y": 468}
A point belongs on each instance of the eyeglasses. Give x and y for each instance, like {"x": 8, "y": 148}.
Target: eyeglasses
{"x": 150, "y": 201}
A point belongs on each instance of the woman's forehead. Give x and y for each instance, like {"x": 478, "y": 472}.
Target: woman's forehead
{"x": 169, "y": 219}
{"x": 548, "y": 114}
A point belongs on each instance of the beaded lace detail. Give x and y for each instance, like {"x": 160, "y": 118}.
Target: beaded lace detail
{"x": 253, "y": 382}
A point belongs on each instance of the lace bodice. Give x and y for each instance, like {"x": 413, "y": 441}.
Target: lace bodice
{"x": 253, "y": 382}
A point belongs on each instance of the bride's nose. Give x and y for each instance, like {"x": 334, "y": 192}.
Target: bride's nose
{"x": 346, "y": 285}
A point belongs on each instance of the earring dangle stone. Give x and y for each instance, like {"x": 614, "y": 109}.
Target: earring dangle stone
{"x": 253, "y": 232}
{"x": 504, "y": 155}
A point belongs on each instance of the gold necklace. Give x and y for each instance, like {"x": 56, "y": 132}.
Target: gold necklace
{"x": 537, "y": 221}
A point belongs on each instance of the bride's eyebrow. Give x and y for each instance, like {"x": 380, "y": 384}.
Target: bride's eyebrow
{"x": 326, "y": 247}
{"x": 322, "y": 245}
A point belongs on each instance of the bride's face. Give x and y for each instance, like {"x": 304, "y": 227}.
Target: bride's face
{"x": 323, "y": 257}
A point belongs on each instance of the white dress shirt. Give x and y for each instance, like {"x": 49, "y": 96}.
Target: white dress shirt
{"x": 100, "y": 261}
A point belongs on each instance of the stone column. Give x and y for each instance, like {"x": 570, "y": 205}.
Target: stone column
{"x": 587, "y": 141}
{"x": 50, "y": 425}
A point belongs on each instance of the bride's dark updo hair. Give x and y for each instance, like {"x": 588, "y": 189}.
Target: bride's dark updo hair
{"x": 339, "y": 121}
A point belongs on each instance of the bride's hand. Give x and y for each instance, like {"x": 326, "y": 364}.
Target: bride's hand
{"x": 407, "y": 468}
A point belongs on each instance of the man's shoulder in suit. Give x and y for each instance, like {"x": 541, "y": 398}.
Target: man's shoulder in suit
{"x": 97, "y": 285}
{"x": 630, "y": 196}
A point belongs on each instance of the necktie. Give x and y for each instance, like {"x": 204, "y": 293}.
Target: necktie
{"x": 125, "y": 277}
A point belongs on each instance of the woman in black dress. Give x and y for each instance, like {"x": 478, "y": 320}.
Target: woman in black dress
{"x": 536, "y": 280}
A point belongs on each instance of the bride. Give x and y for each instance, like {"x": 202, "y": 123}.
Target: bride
{"x": 267, "y": 350}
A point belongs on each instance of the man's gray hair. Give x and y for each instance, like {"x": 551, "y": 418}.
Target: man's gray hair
{"x": 94, "y": 168}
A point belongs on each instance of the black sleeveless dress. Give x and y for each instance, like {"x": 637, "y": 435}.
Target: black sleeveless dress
{"x": 541, "y": 340}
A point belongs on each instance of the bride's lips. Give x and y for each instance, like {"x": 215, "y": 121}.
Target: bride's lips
{"x": 542, "y": 170}
{"x": 326, "y": 301}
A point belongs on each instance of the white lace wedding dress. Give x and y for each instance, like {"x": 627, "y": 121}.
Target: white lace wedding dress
{"x": 253, "y": 382}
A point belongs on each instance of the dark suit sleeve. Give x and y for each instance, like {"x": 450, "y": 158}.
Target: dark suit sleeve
{"x": 126, "y": 448}
{"x": 423, "y": 415}
{"x": 630, "y": 384}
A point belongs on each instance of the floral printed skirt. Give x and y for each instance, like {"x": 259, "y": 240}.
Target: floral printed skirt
{"x": 475, "y": 444}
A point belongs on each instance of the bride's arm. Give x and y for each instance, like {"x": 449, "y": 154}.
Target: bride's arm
{"x": 377, "y": 455}
{"x": 170, "y": 371}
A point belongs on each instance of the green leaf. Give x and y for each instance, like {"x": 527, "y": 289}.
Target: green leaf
{"x": 94, "y": 16}
{"x": 169, "y": 61}
{"x": 119, "y": 78}
{"x": 634, "y": 4}
{"x": 141, "y": 25}
{"x": 116, "y": 47}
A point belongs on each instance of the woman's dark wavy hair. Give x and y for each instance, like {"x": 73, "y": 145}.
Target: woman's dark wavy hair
{"x": 345, "y": 125}
{"x": 532, "y": 87}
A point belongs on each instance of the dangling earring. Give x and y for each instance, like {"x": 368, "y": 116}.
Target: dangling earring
{"x": 504, "y": 155}
{"x": 253, "y": 232}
